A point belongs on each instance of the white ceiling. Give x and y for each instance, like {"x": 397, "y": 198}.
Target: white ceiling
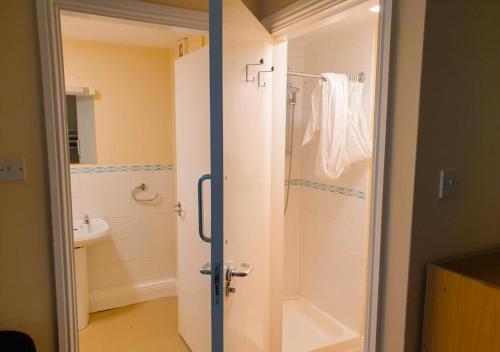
{"x": 118, "y": 31}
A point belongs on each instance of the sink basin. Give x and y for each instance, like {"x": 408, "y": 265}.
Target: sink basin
{"x": 88, "y": 234}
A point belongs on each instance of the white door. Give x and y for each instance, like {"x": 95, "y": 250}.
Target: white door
{"x": 192, "y": 109}
{"x": 247, "y": 157}
{"x": 245, "y": 316}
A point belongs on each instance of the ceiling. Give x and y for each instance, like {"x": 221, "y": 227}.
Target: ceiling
{"x": 113, "y": 30}
{"x": 342, "y": 21}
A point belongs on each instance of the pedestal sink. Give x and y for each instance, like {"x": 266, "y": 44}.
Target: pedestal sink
{"x": 86, "y": 232}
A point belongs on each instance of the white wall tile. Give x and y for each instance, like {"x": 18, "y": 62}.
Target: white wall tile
{"x": 141, "y": 245}
{"x": 119, "y": 205}
{"x": 95, "y": 206}
{"x": 76, "y": 185}
{"x": 120, "y": 228}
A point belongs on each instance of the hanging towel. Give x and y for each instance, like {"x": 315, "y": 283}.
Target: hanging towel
{"x": 338, "y": 121}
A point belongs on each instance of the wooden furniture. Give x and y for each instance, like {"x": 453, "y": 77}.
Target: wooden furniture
{"x": 462, "y": 305}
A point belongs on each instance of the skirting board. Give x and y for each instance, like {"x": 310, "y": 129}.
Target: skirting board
{"x": 119, "y": 296}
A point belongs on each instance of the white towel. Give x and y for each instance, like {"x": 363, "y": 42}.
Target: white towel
{"x": 337, "y": 118}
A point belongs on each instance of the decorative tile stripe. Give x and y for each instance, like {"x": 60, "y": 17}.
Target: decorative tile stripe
{"x": 119, "y": 168}
{"x": 328, "y": 188}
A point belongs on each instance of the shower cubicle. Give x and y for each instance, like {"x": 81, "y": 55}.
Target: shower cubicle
{"x": 326, "y": 220}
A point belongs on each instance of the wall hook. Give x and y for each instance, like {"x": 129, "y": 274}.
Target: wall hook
{"x": 246, "y": 70}
{"x": 258, "y": 77}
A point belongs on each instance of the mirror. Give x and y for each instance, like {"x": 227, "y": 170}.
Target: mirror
{"x": 81, "y": 125}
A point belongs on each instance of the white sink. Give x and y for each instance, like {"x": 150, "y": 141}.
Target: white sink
{"x": 88, "y": 234}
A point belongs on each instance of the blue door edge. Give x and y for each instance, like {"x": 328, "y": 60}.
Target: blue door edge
{"x": 217, "y": 175}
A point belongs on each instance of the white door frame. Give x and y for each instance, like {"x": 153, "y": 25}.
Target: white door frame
{"x": 49, "y": 27}
{"x": 279, "y": 24}
{"x": 307, "y": 13}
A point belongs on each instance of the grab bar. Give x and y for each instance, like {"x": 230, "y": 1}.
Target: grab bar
{"x": 142, "y": 188}
{"x": 200, "y": 207}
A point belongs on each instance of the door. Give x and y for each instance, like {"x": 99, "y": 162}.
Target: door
{"x": 192, "y": 111}
{"x": 224, "y": 265}
{"x": 241, "y": 150}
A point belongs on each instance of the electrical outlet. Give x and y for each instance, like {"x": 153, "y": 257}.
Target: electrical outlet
{"x": 449, "y": 183}
{"x": 11, "y": 170}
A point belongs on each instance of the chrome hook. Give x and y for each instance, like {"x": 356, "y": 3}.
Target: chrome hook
{"x": 258, "y": 77}
{"x": 261, "y": 62}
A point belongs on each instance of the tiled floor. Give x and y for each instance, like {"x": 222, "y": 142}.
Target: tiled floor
{"x": 148, "y": 326}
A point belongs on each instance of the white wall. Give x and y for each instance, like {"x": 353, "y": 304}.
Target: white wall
{"x": 326, "y": 227}
{"x": 141, "y": 247}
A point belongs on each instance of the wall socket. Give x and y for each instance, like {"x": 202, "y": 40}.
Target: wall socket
{"x": 11, "y": 170}
{"x": 449, "y": 183}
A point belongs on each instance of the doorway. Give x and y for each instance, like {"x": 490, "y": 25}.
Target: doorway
{"x": 254, "y": 77}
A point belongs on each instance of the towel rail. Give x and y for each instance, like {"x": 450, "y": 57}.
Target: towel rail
{"x": 359, "y": 77}
{"x": 142, "y": 188}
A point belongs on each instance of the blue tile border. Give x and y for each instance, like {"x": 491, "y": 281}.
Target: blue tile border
{"x": 119, "y": 168}
{"x": 328, "y": 188}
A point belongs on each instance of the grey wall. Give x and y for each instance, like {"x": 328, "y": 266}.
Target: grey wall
{"x": 459, "y": 127}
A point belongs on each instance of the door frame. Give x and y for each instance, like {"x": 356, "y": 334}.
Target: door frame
{"x": 216, "y": 176}
{"x": 49, "y": 29}
{"x": 307, "y": 13}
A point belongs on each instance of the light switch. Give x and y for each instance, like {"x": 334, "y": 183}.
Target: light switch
{"x": 11, "y": 170}
{"x": 449, "y": 183}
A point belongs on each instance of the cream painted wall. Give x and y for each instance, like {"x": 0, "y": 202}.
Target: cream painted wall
{"x": 27, "y": 297}
{"x": 133, "y": 116}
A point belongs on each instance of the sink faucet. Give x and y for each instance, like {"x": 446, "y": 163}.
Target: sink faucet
{"x": 86, "y": 219}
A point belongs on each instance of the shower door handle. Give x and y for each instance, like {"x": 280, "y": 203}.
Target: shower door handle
{"x": 200, "y": 208}
{"x": 244, "y": 270}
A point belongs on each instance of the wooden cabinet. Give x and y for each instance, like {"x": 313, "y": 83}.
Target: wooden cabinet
{"x": 462, "y": 305}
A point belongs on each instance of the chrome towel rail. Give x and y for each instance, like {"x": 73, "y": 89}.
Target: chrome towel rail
{"x": 142, "y": 188}
{"x": 360, "y": 77}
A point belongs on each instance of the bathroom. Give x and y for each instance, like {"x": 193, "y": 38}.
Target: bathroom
{"x": 119, "y": 78}
{"x": 136, "y": 161}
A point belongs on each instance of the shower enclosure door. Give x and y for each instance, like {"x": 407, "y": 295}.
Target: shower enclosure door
{"x": 241, "y": 149}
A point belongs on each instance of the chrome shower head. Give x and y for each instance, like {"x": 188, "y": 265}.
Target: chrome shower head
{"x": 292, "y": 94}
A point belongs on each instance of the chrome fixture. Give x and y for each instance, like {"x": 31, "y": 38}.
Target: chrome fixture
{"x": 261, "y": 61}
{"x": 292, "y": 94}
{"x": 246, "y": 269}
{"x": 178, "y": 209}
{"x": 86, "y": 219}
{"x": 290, "y": 125}
{"x": 361, "y": 77}
{"x": 258, "y": 76}
{"x": 141, "y": 188}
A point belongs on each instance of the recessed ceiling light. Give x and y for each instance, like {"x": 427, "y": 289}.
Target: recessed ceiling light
{"x": 375, "y": 8}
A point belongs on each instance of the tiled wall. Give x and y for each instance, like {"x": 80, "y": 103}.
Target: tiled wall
{"x": 141, "y": 246}
{"x": 326, "y": 228}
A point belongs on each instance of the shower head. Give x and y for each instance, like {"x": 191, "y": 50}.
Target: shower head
{"x": 292, "y": 94}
